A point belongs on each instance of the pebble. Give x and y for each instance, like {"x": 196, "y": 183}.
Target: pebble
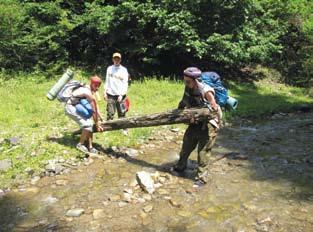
{"x": 143, "y": 214}
{"x": 147, "y": 197}
{"x": 98, "y": 213}
{"x": 128, "y": 190}
{"x": 148, "y": 208}
{"x": 29, "y": 171}
{"x": 122, "y": 204}
{"x": 163, "y": 192}
{"x": 50, "y": 200}
{"x": 5, "y": 164}
{"x": 264, "y": 220}
{"x": 1, "y": 193}
{"x": 61, "y": 182}
{"x": 184, "y": 213}
{"x": 75, "y": 212}
{"x": 174, "y": 203}
{"x": 14, "y": 141}
{"x": 34, "y": 180}
{"x": 127, "y": 197}
{"x": 131, "y": 152}
{"x": 115, "y": 198}
{"x": 176, "y": 130}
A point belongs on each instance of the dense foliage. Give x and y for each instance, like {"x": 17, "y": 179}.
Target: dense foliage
{"x": 160, "y": 36}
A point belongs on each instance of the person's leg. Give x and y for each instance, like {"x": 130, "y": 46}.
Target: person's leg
{"x": 111, "y": 107}
{"x": 190, "y": 142}
{"x": 83, "y": 139}
{"x": 120, "y": 106}
{"x": 121, "y": 112}
{"x": 206, "y": 143}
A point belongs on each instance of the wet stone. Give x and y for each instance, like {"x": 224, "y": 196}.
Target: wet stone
{"x": 122, "y": 204}
{"x": 35, "y": 180}
{"x": 266, "y": 220}
{"x": 131, "y": 152}
{"x": 147, "y": 197}
{"x": 115, "y": 198}
{"x": 127, "y": 197}
{"x": 163, "y": 192}
{"x": 49, "y": 200}
{"x": 75, "y": 212}
{"x": 29, "y": 171}
{"x": 61, "y": 182}
{"x": 98, "y": 213}
{"x": 175, "y": 203}
{"x": 1, "y": 193}
{"x": 145, "y": 181}
{"x": 148, "y": 208}
{"x": 184, "y": 213}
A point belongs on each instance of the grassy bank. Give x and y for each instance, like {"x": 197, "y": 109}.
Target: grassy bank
{"x": 44, "y": 132}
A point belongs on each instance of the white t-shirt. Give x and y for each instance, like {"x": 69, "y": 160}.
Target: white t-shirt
{"x": 116, "y": 82}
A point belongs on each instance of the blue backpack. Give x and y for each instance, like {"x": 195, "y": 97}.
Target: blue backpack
{"x": 214, "y": 80}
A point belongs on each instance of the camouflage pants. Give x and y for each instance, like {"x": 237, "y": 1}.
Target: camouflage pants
{"x": 204, "y": 137}
{"x": 113, "y": 105}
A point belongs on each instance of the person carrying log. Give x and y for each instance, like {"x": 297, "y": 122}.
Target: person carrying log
{"x": 199, "y": 133}
{"x": 81, "y": 106}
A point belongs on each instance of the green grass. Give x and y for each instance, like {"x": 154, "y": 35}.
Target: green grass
{"x": 45, "y": 131}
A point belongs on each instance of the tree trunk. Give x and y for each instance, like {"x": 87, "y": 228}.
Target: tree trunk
{"x": 166, "y": 118}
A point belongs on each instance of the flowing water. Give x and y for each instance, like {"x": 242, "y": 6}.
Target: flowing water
{"x": 262, "y": 180}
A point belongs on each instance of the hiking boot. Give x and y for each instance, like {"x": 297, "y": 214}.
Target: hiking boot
{"x": 198, "y": 183}
{"x": 93, "y": 150}
{"x": 82, "y": 148}
{"x": 176, "y": 168}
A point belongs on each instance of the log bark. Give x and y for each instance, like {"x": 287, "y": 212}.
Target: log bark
{"x": 158, "y": 119}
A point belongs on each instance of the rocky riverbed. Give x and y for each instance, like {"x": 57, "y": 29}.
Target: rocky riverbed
{"x": 262, "y": 180}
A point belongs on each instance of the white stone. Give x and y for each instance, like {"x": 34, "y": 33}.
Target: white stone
{"x": 145, "y": 181}
{"x": 75, "y": 212}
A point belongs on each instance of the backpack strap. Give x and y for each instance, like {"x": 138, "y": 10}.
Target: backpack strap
{"x": 75, "y": 100}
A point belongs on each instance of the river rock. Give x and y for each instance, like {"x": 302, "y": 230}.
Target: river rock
{"x": 75, "y": 212}
{"x": 148, "y": 208}
{"x": 145, "y": 181}
{"x": 147, "y": 197}
{"x": 34, "y": 180}
{"x": 61, "y": 182}
{"x": 115, "y": 198}
{"x": 29, "y": 171}
{"x": 49, "y": 200}
{"x": 98, "y": 213}
{"x": 266, "y": 220}
{"x": 163, "y": 192}
{"x": 14, "y": 141}
{"x": 5, "y": 164}
{"x": 184, "y": 213}
{"x": 175, "y": 203}
{"x": 175, "y": 130}
{"x": 1, "y": 193}
{"x": 131, "y": 152}
{"x": 122, "y": 204}
{"x": 127, "y": 197}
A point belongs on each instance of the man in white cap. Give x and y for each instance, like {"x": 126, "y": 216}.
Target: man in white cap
{"x": 115, "y": 88}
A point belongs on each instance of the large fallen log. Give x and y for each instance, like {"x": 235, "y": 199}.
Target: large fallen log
{"x": 158, "y": 119}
